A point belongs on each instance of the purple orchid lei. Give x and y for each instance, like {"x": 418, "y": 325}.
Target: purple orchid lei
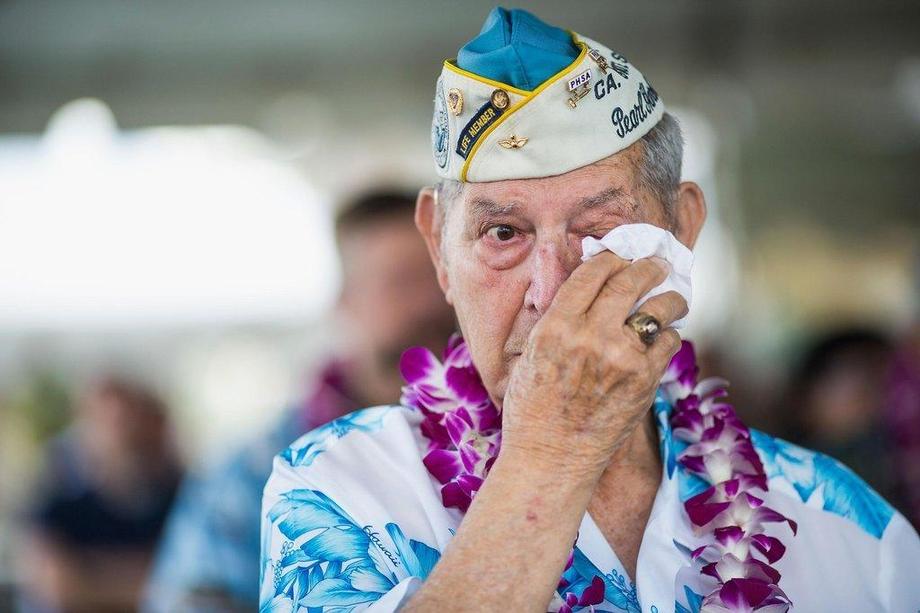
{"x": 463, "y": 428}
{"x": 461, "y": 423}
{"x": 727, "y": 515}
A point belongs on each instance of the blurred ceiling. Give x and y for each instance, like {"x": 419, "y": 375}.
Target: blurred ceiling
{"x": 817, "y": 103}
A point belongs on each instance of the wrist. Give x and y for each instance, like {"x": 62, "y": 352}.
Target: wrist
{"x": 540, "y": 463}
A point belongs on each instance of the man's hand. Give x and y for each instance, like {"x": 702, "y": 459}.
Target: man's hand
{"x": 585, "y": 379}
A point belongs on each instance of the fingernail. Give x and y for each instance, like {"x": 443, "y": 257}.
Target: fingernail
{"x": 663, "y": 263}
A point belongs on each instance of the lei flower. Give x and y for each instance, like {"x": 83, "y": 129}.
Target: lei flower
{"x": 463, "y": 428}
{"x": 727, "y": 515}
{"x": 461, "y": 423}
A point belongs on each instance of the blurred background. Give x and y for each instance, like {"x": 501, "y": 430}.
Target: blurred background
{"x": 171, "y": 272}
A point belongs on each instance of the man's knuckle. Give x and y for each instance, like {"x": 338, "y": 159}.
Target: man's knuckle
{"x": 671, "y": 339}
{"x": 677, "y": 303}
{"x": 619, "y": 353}
{"x": 622, "y": 285}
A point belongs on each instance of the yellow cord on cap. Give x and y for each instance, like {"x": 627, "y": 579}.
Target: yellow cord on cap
{"x": 449, "y": 64}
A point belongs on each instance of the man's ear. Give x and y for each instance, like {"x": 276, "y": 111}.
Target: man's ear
{"x": 689, "y": 212}
{"x": 428, "y": 221}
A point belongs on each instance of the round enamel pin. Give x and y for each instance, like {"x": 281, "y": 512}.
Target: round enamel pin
{"x": 500, "y": 99}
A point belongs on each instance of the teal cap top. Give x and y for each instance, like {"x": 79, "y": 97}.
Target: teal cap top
{"x": 517, "y": 48}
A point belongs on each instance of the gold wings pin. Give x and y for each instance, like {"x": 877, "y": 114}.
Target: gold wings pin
{"x": 514, "y": 142}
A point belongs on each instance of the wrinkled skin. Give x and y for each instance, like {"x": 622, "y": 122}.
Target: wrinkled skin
{"x": 548, "y": 352}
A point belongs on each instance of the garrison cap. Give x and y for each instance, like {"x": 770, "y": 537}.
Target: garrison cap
{"x": 524, "y": 99}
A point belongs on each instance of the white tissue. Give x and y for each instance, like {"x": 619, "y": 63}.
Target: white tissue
{"x": 641, "y": 240}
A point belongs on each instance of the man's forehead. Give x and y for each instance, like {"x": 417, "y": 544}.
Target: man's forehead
{"x": 606, "y": 186}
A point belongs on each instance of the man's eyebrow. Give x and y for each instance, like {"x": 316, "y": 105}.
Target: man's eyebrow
{"x": 616, "y": 196}
{"x": 483, "y": 207}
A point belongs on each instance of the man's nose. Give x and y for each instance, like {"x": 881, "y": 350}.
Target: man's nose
{"x": 551, "y": 265}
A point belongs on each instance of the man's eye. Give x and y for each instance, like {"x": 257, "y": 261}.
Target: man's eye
{"x": 502, "y": 232}
{"x": 597, "y": 233}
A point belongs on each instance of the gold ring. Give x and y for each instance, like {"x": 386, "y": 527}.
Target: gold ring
{"x": 646, "y": 326}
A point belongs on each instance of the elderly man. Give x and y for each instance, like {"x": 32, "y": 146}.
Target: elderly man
{"x": 622, "y": 482}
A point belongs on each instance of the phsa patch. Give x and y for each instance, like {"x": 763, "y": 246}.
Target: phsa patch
{"x": 579, "y": 80}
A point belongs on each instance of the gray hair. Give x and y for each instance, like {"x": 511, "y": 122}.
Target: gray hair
{"x": 662, "y": 158}
{"x": 659, "y": 167}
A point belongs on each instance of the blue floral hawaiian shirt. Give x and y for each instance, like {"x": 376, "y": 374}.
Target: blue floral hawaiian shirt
{"x": 353, "y": 521}
{"x": 208, "y": 559}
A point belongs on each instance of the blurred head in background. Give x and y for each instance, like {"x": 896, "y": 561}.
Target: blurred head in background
{"x": 390, "y": 296}
{"x": 836, "y": 402}
{"x": 107, "y": 487}
{"x": 123, "y": 430}
{"x": 840, "y": 387}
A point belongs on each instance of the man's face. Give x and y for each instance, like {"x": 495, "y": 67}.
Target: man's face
{"x": 507, "y": 246}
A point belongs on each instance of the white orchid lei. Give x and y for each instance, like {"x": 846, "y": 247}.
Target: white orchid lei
{"x": 463, "y": 428}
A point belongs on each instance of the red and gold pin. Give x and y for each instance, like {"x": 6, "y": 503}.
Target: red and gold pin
{"x": 455, "y": 101}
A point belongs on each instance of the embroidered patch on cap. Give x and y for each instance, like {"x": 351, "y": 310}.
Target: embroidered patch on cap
{"x": 487, "y": 114}
{"x": 440, "y": 139}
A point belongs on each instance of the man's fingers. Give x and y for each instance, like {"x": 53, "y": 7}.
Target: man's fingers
{"x": 579, "y": 291}
{"x": 666, "y": 308}
{"x": 664, "y": 347}
{"x": 621, "y": 291}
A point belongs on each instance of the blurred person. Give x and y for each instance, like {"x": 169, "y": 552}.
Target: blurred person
{"x": 903, "y": 419}
{"x": 561, "y": 233}
{"x": 209, "y": 557}
{"x": 837, "y": 402}
{"x": 108, "y": 485}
